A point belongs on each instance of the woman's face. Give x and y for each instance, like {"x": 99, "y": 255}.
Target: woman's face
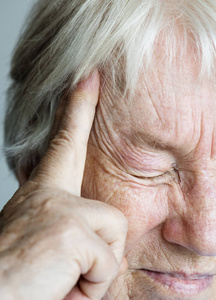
{"x": 155, "y": 160}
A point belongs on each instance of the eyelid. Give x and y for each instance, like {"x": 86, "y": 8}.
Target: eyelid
{"x": 161, "y": 177}
{"x": 153, "y": 177}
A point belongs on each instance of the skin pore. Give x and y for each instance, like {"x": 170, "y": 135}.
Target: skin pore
{"x": 154, "y": 159}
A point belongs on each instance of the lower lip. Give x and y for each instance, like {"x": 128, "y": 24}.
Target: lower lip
{"x": 179, "y": 285}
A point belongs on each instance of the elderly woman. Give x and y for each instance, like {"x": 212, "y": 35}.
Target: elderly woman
{"x": 119, "y": 203}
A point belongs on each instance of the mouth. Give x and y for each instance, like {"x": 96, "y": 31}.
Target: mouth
{"x": 181, "y": 283}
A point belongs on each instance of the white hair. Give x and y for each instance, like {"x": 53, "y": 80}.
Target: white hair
{"x": 64, "y": 40}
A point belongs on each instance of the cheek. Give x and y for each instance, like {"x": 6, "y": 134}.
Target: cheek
{"x": 145, "y": 207}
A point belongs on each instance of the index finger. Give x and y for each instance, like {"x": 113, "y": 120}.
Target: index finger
{"x": 64, "y": 162}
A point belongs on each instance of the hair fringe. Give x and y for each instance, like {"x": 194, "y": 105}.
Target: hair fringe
{"x": 66, "y": 40}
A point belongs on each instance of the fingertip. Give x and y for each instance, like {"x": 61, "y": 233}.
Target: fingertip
{"x": 92, "y": 82}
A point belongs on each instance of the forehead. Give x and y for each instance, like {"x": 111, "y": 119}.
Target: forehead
{"x": 170, "y": 106}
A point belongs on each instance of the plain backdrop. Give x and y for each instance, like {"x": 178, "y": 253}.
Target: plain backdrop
{"x": 12, "y": 17}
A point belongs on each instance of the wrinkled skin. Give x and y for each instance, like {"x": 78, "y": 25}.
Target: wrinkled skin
{"x": 155, "y": 160}
{"x": 54, "y": 243}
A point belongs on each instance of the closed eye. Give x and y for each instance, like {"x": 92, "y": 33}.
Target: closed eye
{"x": 161, "y": 178}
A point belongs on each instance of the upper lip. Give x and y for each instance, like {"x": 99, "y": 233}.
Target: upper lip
{"x": 183, "y": 275}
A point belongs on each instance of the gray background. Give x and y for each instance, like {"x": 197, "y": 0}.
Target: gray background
{"x": 12, "y": 17}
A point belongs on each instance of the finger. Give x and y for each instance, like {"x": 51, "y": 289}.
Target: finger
{"x": 97, "y": 268}
{"x": 55, "y": 128}
{"x": 95, "y": 290}
{"x": 105, "y": 251}
{"x": 111, "y": 226}
{"x": 58, "y": 117}
{"x": 123, "y": 267}
{"x": 76, "y": 294}
{"x": 63, "y": 164}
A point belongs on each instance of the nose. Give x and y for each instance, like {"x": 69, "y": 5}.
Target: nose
{"x": 192, "y": 224}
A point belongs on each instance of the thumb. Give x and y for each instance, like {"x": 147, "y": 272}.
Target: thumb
{"x": 63, "y": 164}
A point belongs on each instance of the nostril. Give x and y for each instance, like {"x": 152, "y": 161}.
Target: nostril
{"x": 195, "y": 235}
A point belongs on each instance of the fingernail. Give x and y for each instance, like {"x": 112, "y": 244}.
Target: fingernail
{"x": 90, "y": 82}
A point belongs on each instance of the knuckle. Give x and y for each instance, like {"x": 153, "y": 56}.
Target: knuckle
{"x": 113, "y": 215}
{"x": 109, "y": 262}
{"x": 84, "y": 98}
{"x": 113, "y": 268}
{"x": 62, "y": 139}
{"x": 69, "y": 229}
{"x": 59, "y": 233}
{"x": 119, "y": 218}
{"x": 43, "y": 202}
{"x": 81, "y": 97}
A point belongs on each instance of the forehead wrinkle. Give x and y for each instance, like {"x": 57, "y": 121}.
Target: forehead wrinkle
{"x": 165, "y": 114}
{"x": 139, "y": 135}
{"x": 159, "y": 103}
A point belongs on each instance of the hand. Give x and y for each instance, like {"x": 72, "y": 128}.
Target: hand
{"x": 53, "y": 243}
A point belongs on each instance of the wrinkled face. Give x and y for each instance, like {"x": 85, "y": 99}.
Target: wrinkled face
{"x": 155, "y": 160}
